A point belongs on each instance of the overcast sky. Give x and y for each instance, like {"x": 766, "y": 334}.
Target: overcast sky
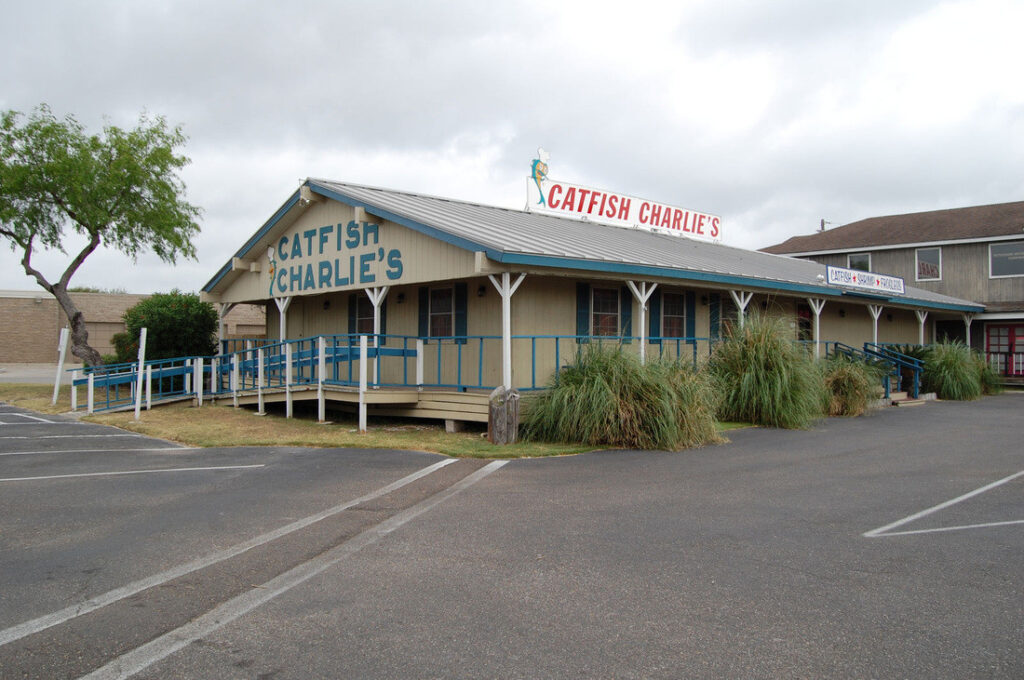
{"x": 773, "y": 114}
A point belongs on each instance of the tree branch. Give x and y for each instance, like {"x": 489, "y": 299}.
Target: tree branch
{"x": 26, "y": 263}
{"x": 94, "y": 242}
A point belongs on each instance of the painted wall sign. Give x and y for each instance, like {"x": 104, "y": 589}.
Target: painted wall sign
{"x": 563, "y": 199}
{"x": 332, "y": 256}
{"x": 853, "y": 278}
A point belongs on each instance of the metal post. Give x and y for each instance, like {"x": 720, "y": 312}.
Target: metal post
{"x": 62, "y": 348}
{"x": 236, "y": 375}
{"x": 198, "y": 379}
{"x": 321, "y": 347}
{"x": 74, "y": 390}
{"x": 149, "y": 388}
{"x": 91, "y": 394}
{"x": 362, "y": 383}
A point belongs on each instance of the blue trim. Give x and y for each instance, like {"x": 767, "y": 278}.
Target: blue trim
{"x": 647, "y": 270}
{"x": 267, "y": 226}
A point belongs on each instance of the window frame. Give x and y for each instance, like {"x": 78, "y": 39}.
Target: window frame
{"x": 917, "y": 263}
{"x": 1002, "y": 276}
{"x": 849, "y": 265}
{"x": 664, "y": 314}
{"x": 594, "y": 313}
{"x": 360, "y": 301}
{"x": 431, "y": 313}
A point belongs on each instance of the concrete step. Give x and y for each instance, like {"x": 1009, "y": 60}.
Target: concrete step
{"x": 908, "y": 402}
{"x": 898, "y": 395}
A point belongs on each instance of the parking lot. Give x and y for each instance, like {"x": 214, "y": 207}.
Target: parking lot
{"x": 884, "y": 546}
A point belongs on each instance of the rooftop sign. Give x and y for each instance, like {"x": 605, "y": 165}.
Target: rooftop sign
{"x": 869, "y": 281}
{"x": 563, "y": 199}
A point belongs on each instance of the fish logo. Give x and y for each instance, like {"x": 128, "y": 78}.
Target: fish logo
{"x": 539, "y": 173}
{"x": 273, "y": 269}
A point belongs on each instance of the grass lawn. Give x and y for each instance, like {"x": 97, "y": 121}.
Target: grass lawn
{"x": 223, "y": 425}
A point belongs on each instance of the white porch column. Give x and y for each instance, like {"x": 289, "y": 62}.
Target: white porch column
{"x": 742, "y": 299}
{"x": 142, "y": 371}
{"x": 817, "y": 304}
{"x": 875, "y": 311}
{"x": 282, "y": 308}
{"x": 506, "y": 289}
{"x": 968, "y": 320}
{"x": 223, "y": 309}
{"x": 642, "y": 295}
{"x": 921, "y": 316}
{"x": 377, "y": 296}
{"x": 62, "y": 349}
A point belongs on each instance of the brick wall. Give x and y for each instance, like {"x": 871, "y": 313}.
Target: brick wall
{"x": 30, "y": 323}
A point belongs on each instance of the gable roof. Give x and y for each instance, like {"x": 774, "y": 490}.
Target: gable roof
{"x": 518, "y": 237}
{"x": 977, "y": 222}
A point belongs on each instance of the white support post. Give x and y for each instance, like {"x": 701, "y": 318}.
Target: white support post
{"x": 968, "y": 320}
{"x": 236, "y": 376}
{"x": 75, "y": 375}
{"x": 419, "y": 364}
{"x": 288, "y": 381}
{"x": 142, "y": 370}
{"x": 742, "y": 299}
{"x": 282, "y": 321}
{"x": 188, "y": 376}
{"x": 642, "y": 295}
{"x": 197, "y": 380}
{"x": 875, "y": 311}
{"x": 149, "y": 388}
{"x": 321, "y": 349}
{"x": 921, "y": 316}
{"x": 261, "y": 380}
{"x": 506, "y": 289}
{"x": 62, "y": 348}
{"x": 377, "y": 296}
{"x": 214, "y": 378}
{"x": 817, "y": 304}
{"x": 362, "y": 383}
{"x": 91, "y": 394}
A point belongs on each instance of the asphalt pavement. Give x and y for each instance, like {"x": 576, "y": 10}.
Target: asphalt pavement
{"x": 883, "y": 546}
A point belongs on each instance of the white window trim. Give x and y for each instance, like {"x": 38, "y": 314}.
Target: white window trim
{"x": 618, "y": 312}
{"x": 431, "y": 314}
{"x": 917, "y": 266}
{"x": 1000, "y": 276}
{"x": 859, "y": 252}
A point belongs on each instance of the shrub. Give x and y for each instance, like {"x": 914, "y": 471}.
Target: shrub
{"x": 765, "y": 378}
{"x": 178, "y": 325}
{"x": 989, "y": 379}
{"x": 850, "y": 386}
{"x": 607, "y": 398}
{"x": 951, "y": 371}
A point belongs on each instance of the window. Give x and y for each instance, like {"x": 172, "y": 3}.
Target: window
{"x": 859, "y": 261}
{"x": 929, "y": 264}
{"x": 605, "y": 317}
{"x": 1006, "y": 259}
{"x": 804, "y": 328}
{"x": 364, "y": 315}
{"x": 442, "y": 313}
{"x": 673, "y": 315}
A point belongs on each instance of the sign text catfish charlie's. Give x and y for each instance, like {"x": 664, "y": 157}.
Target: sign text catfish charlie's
{"x": 581, "y": 202}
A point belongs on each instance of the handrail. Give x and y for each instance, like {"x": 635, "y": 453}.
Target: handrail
{"x": 912, "y": 364}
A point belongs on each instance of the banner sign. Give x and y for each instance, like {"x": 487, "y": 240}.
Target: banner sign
{"x": 853, "y": 278}
{"x": 563, "y": 199}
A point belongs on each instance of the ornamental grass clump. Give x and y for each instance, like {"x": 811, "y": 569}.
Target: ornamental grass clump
{"x": 765, "y": 378}
{"x": 952, "y": 372}
{"x": 607, "y": 398}
{"x": 850, "y": 386}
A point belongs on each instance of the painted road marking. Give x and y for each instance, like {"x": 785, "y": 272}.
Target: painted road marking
{"x": 69, "y": 436}
{"x": 159, "y": 448}
{"x": 130, "y": 472}
{"x": 884, "y": 531}
{"x": 55, "y": 618}
{"x": 150, "y": 653}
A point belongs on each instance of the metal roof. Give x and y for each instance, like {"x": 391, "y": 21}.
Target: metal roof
{"x": 533, "y": 239}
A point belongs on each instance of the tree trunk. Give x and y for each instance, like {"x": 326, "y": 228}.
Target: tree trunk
{"x": 79, "y": 334}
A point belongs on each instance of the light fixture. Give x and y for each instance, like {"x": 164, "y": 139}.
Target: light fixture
{"x": 400, "y": 298}
{"x": 842, "y": 313}
{"x": 481, "y": 291}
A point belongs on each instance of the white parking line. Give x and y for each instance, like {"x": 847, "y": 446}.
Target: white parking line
{"x": 70, "y": 436}
{"x": 129, "y": 472}
{"x": 884, "y": 531}
{"x": 43, "y": 622}
{"x": 25, "y": 415}
{"x": 158, "y": 448}
{"x": 148, "y": 654}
